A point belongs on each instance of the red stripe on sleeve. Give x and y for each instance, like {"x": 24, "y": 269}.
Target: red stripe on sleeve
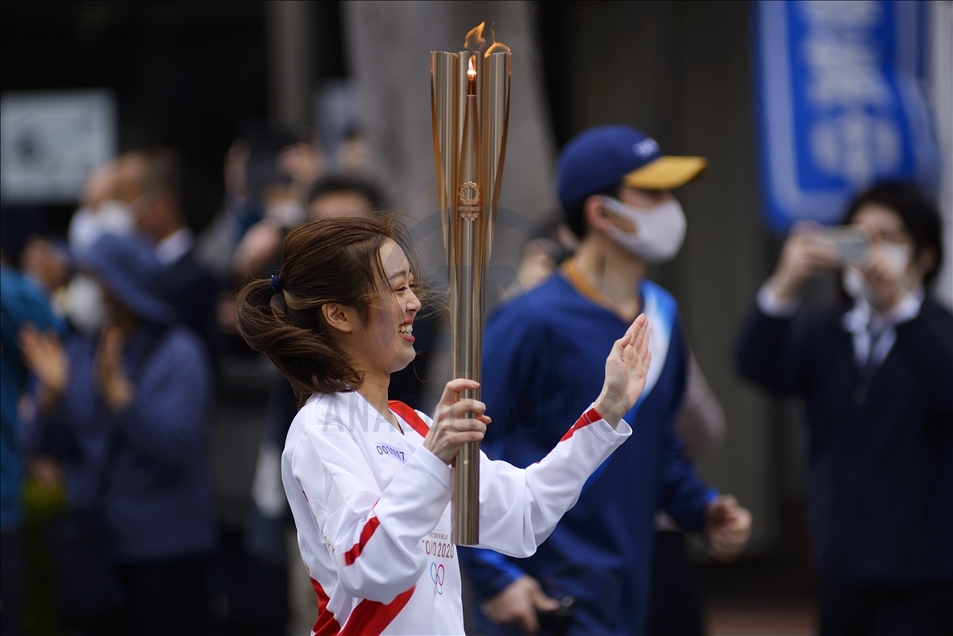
{"x": 351, "y": 555}
{"x": 373, "y": 617}
{"x": 326, "y": 625}
{"x": 587, "y": 418}
{"x": 410, "y": 416}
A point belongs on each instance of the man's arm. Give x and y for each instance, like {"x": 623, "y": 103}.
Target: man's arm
{"x": 694, "y": 505}
{"x": 701, "y": 423}
{"x": 927, "y": 342}
{"x": 166, "y": 416}
{"x": 769, "y": 350}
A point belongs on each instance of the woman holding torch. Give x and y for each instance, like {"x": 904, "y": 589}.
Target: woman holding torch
{"x": 369, "y": 481}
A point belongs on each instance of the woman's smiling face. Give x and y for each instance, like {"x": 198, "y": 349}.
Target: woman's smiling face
{"x": 386, "y": 339}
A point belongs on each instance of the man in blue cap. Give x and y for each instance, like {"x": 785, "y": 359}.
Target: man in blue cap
{"x": 542, "y": 356}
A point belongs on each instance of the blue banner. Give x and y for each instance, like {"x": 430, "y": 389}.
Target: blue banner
{"x": 841, "y": 103}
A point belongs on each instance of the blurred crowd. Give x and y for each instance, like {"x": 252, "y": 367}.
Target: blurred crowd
{"x": 127, "y": 392}
{"x": 137, "y": 414}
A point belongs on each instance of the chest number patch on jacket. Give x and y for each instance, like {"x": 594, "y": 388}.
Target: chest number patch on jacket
{"x": 388, "y": 450}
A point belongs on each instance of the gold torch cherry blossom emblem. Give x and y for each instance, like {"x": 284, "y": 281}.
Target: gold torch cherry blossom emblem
{"x": 470, "y": 99}
{"x": 469, "y": 200}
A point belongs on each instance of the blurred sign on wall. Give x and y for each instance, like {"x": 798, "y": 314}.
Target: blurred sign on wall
{"x": 841, "y": 103}
{"x": 50, "y": 141}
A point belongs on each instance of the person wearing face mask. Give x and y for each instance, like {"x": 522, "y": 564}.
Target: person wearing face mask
{"x": 877, "y": 375}
{"x": 75, "y": 295}
{"x": 101, "y": 213}
{"x": 124, "y": 415}
{"x": 541, "y": 357}
{"x": 150, "y": 182}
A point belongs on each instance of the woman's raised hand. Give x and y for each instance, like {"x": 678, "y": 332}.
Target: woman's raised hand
{"x": 451, "y": 427}
{"x": 626, "y": 369}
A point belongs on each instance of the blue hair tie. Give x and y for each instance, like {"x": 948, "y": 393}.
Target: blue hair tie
{"x": 275, "y": 286}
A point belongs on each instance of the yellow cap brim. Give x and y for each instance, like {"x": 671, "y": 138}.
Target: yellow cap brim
{"x": 666, "y": 173}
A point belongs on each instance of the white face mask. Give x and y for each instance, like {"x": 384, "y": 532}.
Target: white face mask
{"x": 87, "y": 225}
{"x": 659, "y": 231}
{"x": 86, "y": 304}
{"x": 897, "y": 258}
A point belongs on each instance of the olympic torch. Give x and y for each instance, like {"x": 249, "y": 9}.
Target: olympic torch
{"x": 470, "y": 98}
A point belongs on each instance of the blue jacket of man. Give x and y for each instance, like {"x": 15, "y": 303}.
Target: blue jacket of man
{"x": 156, "y": 497}
{"x": 543, "y": 365}
{"x": 21, "y": 303}
{"x": 880, "y": 492}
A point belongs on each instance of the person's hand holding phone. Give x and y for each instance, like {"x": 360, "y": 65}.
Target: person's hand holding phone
{"x": 806, "y": 254}
{"x": 851, "y": 241}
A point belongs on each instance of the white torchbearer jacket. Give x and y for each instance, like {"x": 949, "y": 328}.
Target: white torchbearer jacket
{"x": 372, "y": 509}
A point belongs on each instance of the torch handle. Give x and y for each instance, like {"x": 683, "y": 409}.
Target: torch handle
{"x": 465, "y": 488}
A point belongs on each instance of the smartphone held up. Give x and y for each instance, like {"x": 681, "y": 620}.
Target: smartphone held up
{"x": 852, "y": 242}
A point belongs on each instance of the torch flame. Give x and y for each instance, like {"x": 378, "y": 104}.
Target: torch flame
{"x": 496, "y": 47}
{"x": 471, "y": 72}
{"x": 475, "y": 41}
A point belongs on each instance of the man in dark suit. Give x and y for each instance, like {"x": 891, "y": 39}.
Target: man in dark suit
{"x": 877, "y": 376}
{"x": 150, "y": 182}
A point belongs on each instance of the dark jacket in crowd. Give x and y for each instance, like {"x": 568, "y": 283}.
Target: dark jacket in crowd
{"x": 156, "y": 494}
{"x": 880, "y": 491}
{"x": 193, "y": 291}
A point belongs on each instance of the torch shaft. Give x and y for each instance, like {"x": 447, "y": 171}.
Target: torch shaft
{"x": 469, "y": 263}
{"x": 469, "y": 125}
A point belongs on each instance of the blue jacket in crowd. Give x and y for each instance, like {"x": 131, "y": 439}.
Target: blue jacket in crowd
{"x": 156, "y": 495}
{"x": 543, "y": 365}
{"x": 880, "y": 492}
{"x": 20, "y": 303}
